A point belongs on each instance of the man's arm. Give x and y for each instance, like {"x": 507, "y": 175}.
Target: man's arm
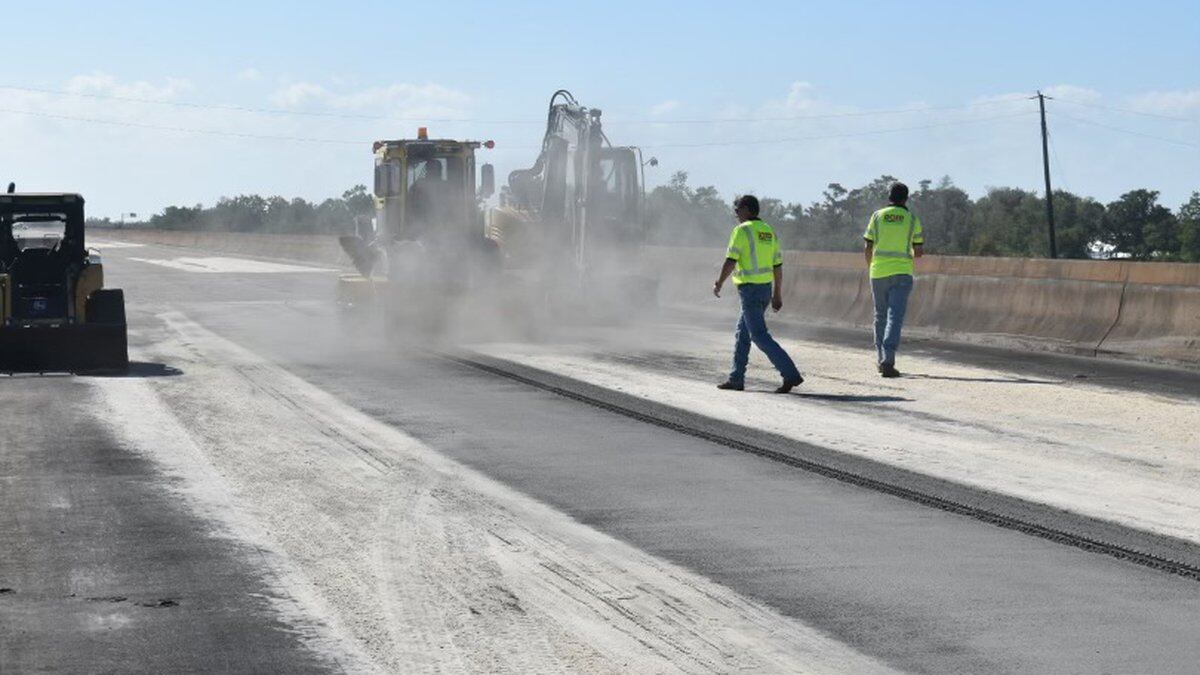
{"x": 732, "y": 253}
{"x": 869, "y": 237}
{"x": 918, "y": 250}
{"x": 726, "y": 270}
{"x": 777, "y": 292}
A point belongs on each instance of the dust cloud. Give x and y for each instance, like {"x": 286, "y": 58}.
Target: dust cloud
{"x": 611, "y": 293}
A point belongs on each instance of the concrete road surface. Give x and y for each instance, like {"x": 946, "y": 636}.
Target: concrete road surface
{"x": 275, "y": 487}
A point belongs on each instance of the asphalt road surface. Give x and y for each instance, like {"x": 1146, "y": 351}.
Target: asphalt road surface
{"x": 279, "y": 487}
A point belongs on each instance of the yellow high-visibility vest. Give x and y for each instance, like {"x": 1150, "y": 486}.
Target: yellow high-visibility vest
{"x": 755, "y": 247}
{"x": 894, "y": 230}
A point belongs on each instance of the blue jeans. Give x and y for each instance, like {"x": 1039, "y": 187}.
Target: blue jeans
{"x": 752, "y": 327}
{"x": 891, "y": 301}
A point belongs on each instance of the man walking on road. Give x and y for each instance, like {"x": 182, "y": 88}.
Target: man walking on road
{"x": 755, "y": 260}
{"x": 893, "y": 239}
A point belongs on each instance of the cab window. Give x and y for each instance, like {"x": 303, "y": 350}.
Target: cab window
{"x": 387, "y": 179}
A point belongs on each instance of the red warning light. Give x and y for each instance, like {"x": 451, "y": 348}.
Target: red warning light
{"x": 489, "y": 144}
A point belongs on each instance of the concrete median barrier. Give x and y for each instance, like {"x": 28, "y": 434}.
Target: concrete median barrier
{"x": 1145, "y": 311}
{"x": 1157, "y": 321}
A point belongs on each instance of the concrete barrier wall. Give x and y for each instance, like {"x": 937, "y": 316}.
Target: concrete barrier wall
{"x": 1162, "y": 322}
{"x": 1147, "y": 311}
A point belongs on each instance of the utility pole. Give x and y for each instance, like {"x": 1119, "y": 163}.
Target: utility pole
{"x": 1046, "y": 167}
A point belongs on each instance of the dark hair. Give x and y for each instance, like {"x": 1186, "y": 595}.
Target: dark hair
{"x": 898, "y": 194}
{"x": 748, "y": 202}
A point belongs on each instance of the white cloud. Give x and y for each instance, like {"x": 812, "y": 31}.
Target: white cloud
{"x": 1010, "y": 97}
{"x": 664, "y": 108}
{"x": 299, "y": 93}
{"x": 1074, "y": 93}
{"x": 400, "y": 98}
{"x": 1066, "y": 91}
{"x": 108, "y": 85}
{"x": 1183, "y": 102}
{"x": 140, "y": 155}
{"x": 803, "y": 141}
{"x": 1018, "y": 101}
{"x": 733, "y": 111}
{"x": 802, "y": 138}
{"x": 137, "y": 155}
{"x": 800, "y": 96}
{"x": 803, "y": 100}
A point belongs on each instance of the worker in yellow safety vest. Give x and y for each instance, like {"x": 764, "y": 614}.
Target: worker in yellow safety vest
{"x": 893, "y": 239}
{"x": 755, "y": 261}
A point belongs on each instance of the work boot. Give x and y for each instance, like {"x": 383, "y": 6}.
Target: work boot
{"x": 789, "y": 384}
{"x": 732, "y": 386}
{"x": 888, "y": 370}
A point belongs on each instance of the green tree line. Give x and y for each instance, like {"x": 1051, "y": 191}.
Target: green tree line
{"x": 271, "y": 215}
{"x": 1006, "y": 222}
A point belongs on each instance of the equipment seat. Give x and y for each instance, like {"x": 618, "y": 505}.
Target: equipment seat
{"x": 39, "y": 284}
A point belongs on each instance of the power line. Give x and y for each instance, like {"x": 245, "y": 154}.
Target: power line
{"x": 212, "y": 132}
{"x": 1058, "y": 167}
{"x": 823, "y": 116}
{"x": 836, "y": 136}
{"x": 257, "y": 110}
{"x": 733, "y": 143}
{"x": 364, "y": 116}
{"x": 338, "y": 141}
{"x": 1127, "y": 111}
{"x": 1164, "y": 139}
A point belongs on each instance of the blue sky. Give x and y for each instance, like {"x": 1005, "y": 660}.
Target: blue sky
{"x": 804, "y": 82}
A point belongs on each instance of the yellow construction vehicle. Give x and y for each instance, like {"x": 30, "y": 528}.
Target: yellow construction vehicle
{"x": 569, "y": 226}
{"x": 55, "y": 314}
{"x": 428, "y": 229}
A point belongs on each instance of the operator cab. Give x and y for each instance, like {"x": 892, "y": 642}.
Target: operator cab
{"x": 424, "y": 186}
{"x": 46, "y": 256}
{"x": 434, "y": 182}
{"x": 617, "y": 195}
{"x": 425, "y": 190}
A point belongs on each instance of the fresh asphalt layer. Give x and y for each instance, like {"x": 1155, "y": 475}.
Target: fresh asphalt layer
{"x": 920, "y": 589}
